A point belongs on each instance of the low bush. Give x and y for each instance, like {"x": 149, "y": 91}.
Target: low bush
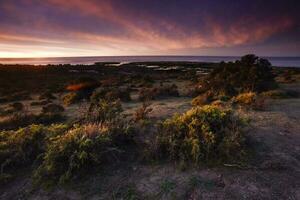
{"x": 146, "y": 94}
{"x": 142, "y": 112}
{"x": 201, "y": 135}
{"x": 112, "y": 94}
{"x": 23, "y": 146}
{"x": 245, "y": 99}
{"x": 79, "y": 89}
{"x": 47, "y": 96}
{"x": 22, "y": 119}
{"x": 250, "y": 100}
{"x": 280, "y": 94}
{"x": 53, "y": 108}
{"x": 81, "y": 149}
{"x": 71, "y": 98}
{"x": 248, "y": 74}
{"x": 16, "y": 107}
{"x": 18, "y": 96}
{"x": 202, "y": 99}
{"x": 169, "y": 90}
{"x": 40, "y": 103}
{"x": 83, "y": 84}
{"x": 103, "y": 110}
{"x": 142, "y": 81}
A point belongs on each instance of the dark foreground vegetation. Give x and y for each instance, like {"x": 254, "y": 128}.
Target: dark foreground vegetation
{"x": 61, "y": 124}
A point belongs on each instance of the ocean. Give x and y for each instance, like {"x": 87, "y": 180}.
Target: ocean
{"x": 276, "y": 61}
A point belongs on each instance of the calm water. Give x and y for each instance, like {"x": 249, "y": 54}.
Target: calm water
{"x": 276, "y": 61}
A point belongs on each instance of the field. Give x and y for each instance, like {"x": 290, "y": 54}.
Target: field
{"x": 159, "y": 130}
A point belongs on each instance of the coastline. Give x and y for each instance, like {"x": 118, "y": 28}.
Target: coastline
{"x": 275, "y": 61}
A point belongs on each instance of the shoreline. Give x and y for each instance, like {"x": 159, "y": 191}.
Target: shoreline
{"x": 275, "y": 61}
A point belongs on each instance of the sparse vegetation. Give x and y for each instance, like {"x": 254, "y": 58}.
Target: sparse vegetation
{"x": 23, "y": 119}
{"x": 113, "y": 142}
{"x": 142, "y": 112}
{"x": 280, "y": 94}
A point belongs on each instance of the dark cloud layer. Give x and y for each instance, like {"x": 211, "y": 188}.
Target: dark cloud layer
{"x": 141, "y": 27}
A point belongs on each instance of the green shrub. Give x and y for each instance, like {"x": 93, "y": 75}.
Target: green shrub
{"x": 22, "y": 147}
{"x": 112, "y": 94}
{"x": 250, "y": 100}
{"x": 146, "y": 94}
{"x": 203, "y": 99}
{"x": 168, "y": 90}
{"x": 245, "y": 99}
{"x": 142, "y": 112}
{"x": 248, "y": 74}
{"x": 80, "y": 149}
{"x": 71, "y": 98}
{"x": 202, "y": 134}
{"x": 104, "y": 110}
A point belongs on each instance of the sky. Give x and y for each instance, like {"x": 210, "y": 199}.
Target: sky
{"x": 63, "y": 28}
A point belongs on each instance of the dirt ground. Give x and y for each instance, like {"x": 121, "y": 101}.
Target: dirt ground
{"x": 273, "y": 174}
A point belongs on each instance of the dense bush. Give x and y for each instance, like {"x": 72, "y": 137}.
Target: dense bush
{"x": 250, "y": 100}
{"x": 81, "y": 149}
{"x": 168, "y": 90}
{"x": 79, "y": 89}
{"x": 103, "y": 110}
{"x": 23, "y": 146}
{"x": 112, "y": 94}
{"x": 146, "y": 94}
{"x": 248, "y": 74}
{"x": 202, "y": 99}
{"x": 203, "y": 134}
{"x": 245, "y": 99}
{"x": 141, "y": 81}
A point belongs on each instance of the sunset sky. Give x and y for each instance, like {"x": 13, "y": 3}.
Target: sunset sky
{"x": 46, "y": 28}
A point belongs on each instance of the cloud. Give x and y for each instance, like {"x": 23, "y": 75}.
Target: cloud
{"x": 142, "y": 27}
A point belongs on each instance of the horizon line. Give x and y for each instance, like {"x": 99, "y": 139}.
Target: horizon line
{"x": 266, "y": 56}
